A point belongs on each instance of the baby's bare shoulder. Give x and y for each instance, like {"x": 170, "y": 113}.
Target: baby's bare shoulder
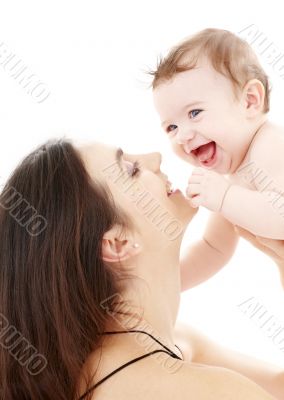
{"x": 267, "y": 148}
{"x": 269, "y": 136}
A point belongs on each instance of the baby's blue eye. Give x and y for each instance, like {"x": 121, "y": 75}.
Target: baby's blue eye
{"x": 171, "y": 128}
{"x": 194, "y": 113}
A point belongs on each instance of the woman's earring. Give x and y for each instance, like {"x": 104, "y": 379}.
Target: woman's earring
{"x": 136, "y": 245}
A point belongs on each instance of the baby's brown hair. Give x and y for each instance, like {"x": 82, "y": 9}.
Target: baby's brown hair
{"x": 228, "y": 54}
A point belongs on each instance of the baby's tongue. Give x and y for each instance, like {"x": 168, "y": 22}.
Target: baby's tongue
{"x": 205, "y": 152}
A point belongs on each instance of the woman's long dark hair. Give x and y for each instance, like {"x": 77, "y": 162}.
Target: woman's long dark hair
{"x": 52, "y": 277}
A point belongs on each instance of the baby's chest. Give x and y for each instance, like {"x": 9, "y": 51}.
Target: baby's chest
{"x": 254, "y": 177}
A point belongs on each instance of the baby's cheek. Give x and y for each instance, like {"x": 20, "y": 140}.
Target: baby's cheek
{"x": 178, "y": 150}
{"x": 190, "y": 159}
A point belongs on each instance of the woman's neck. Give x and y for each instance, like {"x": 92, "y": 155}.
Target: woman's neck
{"x": 155, "y": 297}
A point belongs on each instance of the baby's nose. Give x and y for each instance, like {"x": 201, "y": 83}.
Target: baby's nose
{"x": 183, "y": 136}
{"x": 186, "y": 148}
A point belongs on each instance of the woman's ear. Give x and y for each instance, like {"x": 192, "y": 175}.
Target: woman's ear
{"x": 117, "y": 248}
{"x": 254, "y": 95}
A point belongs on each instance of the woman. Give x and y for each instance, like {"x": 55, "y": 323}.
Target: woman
{"x": 99, "y": 257}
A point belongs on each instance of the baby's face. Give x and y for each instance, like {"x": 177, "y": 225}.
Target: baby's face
{"x": 206, "y": 124}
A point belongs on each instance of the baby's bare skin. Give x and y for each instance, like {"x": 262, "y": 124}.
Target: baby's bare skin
{"x": 238, "y": 155}
{"x": 255, "y": 201}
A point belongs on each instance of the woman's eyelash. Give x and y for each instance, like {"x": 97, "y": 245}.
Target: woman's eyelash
{"x": 135, "y": 168}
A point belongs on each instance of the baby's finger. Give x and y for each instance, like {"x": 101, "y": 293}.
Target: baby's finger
{"x": 193, "y": 190}
{"x": 196, "y": 201}
{"x": 256, "y": 241}
{"x": 275, "y": 245}
{"x": 245, "y": 234}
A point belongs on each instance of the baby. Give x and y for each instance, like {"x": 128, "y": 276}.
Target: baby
{"x": 212, "y": 96}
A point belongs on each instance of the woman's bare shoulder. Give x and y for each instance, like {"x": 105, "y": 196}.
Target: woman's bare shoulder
{"x": 205, "y": 381}
{"x": 180, "y": 380}
{"x": 208, "y": 383}
{"x": 165, "y": 377}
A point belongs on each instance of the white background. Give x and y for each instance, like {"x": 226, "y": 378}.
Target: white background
{"x": 92, "y": 57}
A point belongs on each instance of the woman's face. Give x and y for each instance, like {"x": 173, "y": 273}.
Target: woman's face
{"x": 141, "y": 192}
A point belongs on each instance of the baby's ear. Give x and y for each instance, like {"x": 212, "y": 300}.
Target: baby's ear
{"x": 254, "y": 95}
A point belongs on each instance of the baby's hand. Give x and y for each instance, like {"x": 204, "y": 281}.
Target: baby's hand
{"x": 207, "y": 188}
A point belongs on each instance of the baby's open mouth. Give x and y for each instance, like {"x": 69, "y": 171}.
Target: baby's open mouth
{"x": 205, "y": 153}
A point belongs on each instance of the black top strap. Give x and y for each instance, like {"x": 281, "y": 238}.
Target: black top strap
{"x": 149, "y": 334}
{"x": 167, "y": 351}
{"x": 120, "y": 368}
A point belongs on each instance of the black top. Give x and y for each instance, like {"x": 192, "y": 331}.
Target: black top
{"x": 168, "y": 351}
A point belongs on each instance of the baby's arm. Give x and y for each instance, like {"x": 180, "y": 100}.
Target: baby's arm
{"x": 207, "y": 256}
{"x": 260, "y": 211}
{"x": 253, "y": 211}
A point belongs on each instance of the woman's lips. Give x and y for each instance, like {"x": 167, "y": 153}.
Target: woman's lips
{"x": 171, "y": 189}
{"x": 176, "y": 191}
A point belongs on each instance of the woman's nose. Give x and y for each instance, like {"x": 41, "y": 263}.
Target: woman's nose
{"x": 152, "y": 161}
